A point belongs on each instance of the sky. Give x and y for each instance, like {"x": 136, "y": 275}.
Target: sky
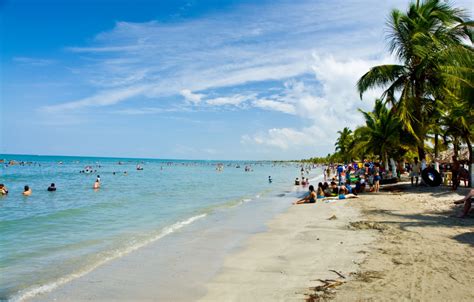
{"x": 209, "y": 79}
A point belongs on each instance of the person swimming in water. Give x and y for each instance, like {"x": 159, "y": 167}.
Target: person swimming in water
{"x": 3, "y": 190}
{"x": 310, "y": 198}
{"x": 96, "y": 184}
{"x": 52, "y": 188}
{"x": 27, "y": 191}
{"x": 270, "y": 179}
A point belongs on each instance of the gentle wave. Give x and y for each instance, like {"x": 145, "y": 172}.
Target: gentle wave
{"x": 32, "y": 292}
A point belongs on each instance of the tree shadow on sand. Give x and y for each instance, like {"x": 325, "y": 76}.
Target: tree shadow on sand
{"x": 467, "y": 238}
{"x": 407, "y": 222}
{"x": 437, "y": 192}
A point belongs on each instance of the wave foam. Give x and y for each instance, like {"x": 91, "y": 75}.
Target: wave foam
{"x": 42, "y": 289}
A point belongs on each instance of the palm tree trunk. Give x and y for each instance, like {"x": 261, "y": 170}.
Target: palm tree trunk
{"x": 436, "y": 145}
{"x": 469, "y": 147}
{"x": 421, "y": 152}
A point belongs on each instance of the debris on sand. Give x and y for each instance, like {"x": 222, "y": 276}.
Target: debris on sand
{"x": 333, "y": 217}
{"x": 368, "y": 225}
{"x": 367, "y": 276}
{"x": 323, "y": 292}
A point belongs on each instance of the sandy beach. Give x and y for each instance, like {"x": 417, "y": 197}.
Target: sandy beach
{"x": 401, "y": 244}
{"x": 421, "y": 253}
{"x": 309, "y": 242}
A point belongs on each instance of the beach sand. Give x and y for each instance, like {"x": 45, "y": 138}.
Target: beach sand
{"x": 422, "y": 253}
{"x": 306, "y": 243}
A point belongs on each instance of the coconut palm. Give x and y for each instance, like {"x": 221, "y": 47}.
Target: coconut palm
{"x": 343, "y": 143}
{"x": 416, "y": 38}
{"x": 381, "y": 133}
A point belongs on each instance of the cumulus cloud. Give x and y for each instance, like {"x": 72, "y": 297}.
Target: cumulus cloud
{"x": 327, "y": 110}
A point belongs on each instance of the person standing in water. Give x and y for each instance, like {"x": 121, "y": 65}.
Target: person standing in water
{"x": 27, "y": 191}
{"x": 3, "y": 190}
{"x": 96, "y": 184}
{"x": 52, "y": 188}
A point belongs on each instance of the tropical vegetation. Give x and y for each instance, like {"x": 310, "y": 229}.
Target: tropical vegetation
{"x": 427, "y": 97}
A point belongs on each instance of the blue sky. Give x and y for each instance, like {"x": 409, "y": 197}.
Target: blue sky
{"x": 186, "y": 79}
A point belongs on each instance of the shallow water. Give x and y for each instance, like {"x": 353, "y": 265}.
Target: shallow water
{"x": 52, "y": 235}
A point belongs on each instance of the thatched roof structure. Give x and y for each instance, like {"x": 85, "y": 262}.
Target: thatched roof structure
{"x": 447, "y": 156}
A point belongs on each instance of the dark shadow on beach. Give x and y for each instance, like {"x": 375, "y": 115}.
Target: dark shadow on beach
{"x": 433, "y": 218}
{"x": 467, "y": 238}
{"x": 440, "y": 191}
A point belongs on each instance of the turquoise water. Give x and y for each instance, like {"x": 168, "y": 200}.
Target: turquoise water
{"x": 53, "y": 237}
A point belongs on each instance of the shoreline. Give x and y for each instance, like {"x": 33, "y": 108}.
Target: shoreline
{"x": 190, "y": 256}
{"x": 306, "y": 243}
{"x": 344, "y": 250}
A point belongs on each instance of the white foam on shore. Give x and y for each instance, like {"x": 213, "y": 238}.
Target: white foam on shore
{"x": 41, "y": 289}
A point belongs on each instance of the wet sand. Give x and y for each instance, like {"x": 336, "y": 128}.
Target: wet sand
{"x": 306, "y": 243}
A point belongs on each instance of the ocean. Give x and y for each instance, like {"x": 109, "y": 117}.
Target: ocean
{"x": 50, "y": 238}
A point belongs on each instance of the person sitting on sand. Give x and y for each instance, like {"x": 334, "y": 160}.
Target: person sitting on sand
{"x": 52, "y": 188}
{"x": 310, "y": 198}
{"x": 96, "y": 185}
{"x": 327, "y": 190}
{"x": 467, "y": 200}
{"x": 3, "y": 190}
{"x": 27, "y": 191}
{"x": 320, "y": 192}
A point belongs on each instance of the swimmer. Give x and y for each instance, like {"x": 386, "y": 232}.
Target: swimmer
{"x": 27, "y": 191}
{"x": 96, "y": 185}
{"x": 3, "y": 190}
{"x": 269, "y": 179}
{"x": 52, "y": 187}
{"x": 297, "y": 182}
{"x": 310, "y": 198}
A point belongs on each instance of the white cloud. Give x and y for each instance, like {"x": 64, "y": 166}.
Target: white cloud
{"x": 234, "y": 100}
{"x": 104, "y": 98}
{"x": 191, "y": 97}
{"x": 327, "y": 111}
{"x": 275, "y": 105}
{"x": 33, "y": 61}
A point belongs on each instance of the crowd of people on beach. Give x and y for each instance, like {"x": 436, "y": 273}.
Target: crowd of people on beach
{"x": 349, "y": 180}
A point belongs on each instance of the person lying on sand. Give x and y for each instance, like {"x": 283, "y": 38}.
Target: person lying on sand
{"x": 467, "y": 200}
{"x": 310, "y": 198}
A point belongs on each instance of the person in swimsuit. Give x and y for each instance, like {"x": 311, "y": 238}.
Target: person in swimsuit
{"x": 310, "y": 198}
{"x": 3, "y": 190}
{"x": 467, "y": 201}
{"x": 27, "y": 191}
{"x": 52, "y": 188}
{"x": 320, "y": 193}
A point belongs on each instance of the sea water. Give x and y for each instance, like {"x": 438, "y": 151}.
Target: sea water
{"x": 53, "y": 237}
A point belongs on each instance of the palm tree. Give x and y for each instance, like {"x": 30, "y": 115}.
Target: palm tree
{"x": 343, "y": 143}
{"x": 416, "y": 38}
{"x": 381, "y": 133}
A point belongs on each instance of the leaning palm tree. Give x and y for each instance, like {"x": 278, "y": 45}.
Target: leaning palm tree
{"x": 416, "y": 38}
